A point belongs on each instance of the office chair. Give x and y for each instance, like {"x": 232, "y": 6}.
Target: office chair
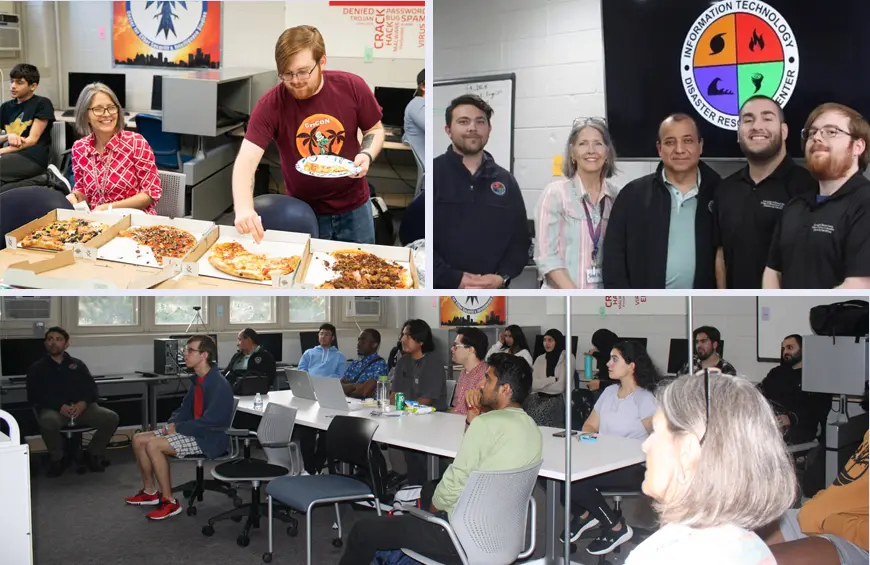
{"x": 413, "y": 226}
{"x": 640, "y": 534}
{"x": 166, "y": 146}
{"x": 421, "y": 171}
{"x": 173, "y": 195}
{"x": 286, "y": 213}
{"x": 19, "y": 206}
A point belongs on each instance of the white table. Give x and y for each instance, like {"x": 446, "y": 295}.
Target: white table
{"x": 440, "y": 434}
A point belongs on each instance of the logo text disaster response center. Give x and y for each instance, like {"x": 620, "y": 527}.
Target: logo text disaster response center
{"x": 735, "y": 50}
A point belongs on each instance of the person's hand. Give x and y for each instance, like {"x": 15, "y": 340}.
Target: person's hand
{"x": 783, "y": 421}
{"x": 14, "y": 140}
{"x": 468, "y": 280}
{"x": 79, "y": 408}
{"x": 471, "y": 414}
{"x": 169, "y": 429}
{"x": 501, "y": 338}
{"x": 592, "y": 351}
{"x": 486, "y": 281}
{"x": 103, "y": 208}
{"x": 362, "y": 161}
{"x": 66, "y": 411}
{"x": 472, "y": 399}
{"x": 247, "y": 221}
{"x": 594, "y": 385}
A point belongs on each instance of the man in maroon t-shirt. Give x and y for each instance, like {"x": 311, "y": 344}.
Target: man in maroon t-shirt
{"x": 313, "y": 112}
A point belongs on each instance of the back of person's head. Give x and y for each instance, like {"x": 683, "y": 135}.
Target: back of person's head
{"x": 474, "y": 339}
{"x": 421, "y": 78}
{"x": 514, "y": 371}
{"x": 420, "y": 332}
{"x": 741, "y": 474}
{"x": 520, "y": 341}
{"x": 712, "y": 334}
{"x": 206, "y": 345}
{"x": 645, "y": 373}
{"x": 57, "y": 330}
{"x": 250, "y": 333}
{"x": 296, "y": 39}
{"x": 25, "y": 71}
{"x": 604, "y": 340}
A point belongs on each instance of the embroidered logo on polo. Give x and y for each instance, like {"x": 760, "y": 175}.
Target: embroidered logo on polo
{"x": 320, "y": 134}
{"x": 257, "y": 359}
{"x": 773, "y": 204}
{"x": 498, "y": 188}
{"x": 822, "y": 228}
{"x": 73, "y": 366}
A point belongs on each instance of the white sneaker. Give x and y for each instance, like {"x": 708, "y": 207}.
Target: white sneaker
{"x": 53, "y": 171}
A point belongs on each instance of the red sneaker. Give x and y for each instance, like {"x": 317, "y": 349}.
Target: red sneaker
{"x": 165, "y": 509}
{"x": 143, "y": 499}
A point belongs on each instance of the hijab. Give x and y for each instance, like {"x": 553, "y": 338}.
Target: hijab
{"x": 603, "y": 340}
{"x": 553, "y": 356}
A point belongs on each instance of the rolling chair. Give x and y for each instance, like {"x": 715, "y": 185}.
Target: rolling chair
{"x": 421, "y": 171}
{"x": 640, "y": 534}
{"x": 166, "y": 146}
{"x": 490, "y": 520}
{"x": 286, "y": 213}
{"x": 19, "y": 206}
{"x": 173, "y": 198}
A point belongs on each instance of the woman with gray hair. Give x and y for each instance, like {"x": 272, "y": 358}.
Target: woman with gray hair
{"x": 717, "y": 468}
{"x": 572, "y": 213}
{"x": 112, "y": 167}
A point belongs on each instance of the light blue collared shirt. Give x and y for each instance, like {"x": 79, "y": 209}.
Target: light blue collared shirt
{"x": 680, "y": 270}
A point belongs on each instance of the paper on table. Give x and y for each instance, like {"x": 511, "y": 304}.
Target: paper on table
{"x": 271, "y": 248}
{"x": 320, "y": 268}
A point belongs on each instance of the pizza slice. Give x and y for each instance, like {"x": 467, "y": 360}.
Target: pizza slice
{"x": 233, "y": 259}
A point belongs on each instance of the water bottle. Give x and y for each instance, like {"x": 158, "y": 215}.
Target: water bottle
{"x": 587, "y": 371}
{"x": 258, "y": 402}
{"x": 383, "y": 392}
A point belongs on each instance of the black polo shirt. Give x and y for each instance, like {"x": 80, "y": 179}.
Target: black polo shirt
{"x": 820, "y": 241}
{"x": 745, "y": 217}
{"x": 51, "y": 384}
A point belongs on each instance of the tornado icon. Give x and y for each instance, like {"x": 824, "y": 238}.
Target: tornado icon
{"x": 757, "y": 79}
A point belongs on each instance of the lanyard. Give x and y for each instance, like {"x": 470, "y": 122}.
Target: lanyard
{"x": 594, "y": 234}
{"x": 103, "y": 175}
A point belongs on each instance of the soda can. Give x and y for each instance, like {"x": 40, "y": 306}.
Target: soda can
{"x": 400, "y": 401}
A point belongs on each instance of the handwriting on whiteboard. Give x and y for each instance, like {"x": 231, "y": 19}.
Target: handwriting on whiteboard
{"x": 484, "y": 91}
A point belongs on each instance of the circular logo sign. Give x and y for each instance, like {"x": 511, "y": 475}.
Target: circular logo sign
{"x": 735, "y": 50}
{"x": 167, "y": 26}
{"x": 472, "y": 304}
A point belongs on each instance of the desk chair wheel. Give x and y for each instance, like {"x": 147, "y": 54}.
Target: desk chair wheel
{"x": 186, "y": 493}
{"x": 267, "y": 558}
{"x": 191, "y": 510}
{"x": 243, "y": 540}
{"x": 237, "y": 501}
{"x": 207, "y": 531}
{"x": 293, "y": 529}
{"x": 337, "y": 542}
{"x": 236, "y": 519}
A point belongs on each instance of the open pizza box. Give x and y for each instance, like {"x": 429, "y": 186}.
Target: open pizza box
{"x": 125, "y": 250}
{"x": 314, "y": 271}
{"x": 275, "y": 243}
{"x": 64, "y": 270}
{"x": 116, "y": 223}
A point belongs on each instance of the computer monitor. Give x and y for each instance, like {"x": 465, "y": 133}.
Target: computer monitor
{"x": 539, "y": 345}
{"x": 678, "y": 354}
{"x": 78, "y": 81}
{"x": 273, "y": 343}
{"x": 393, "y": 101}
{"x": 157, "y": 94}
{"x": 308, "y": 340}
{"x": 17, "y": 355}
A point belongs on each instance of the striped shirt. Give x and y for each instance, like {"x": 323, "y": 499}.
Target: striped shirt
{"x": 562, "y": 239}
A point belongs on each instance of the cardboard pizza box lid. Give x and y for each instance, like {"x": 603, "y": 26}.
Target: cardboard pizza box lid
{"x": 63, "y": 270}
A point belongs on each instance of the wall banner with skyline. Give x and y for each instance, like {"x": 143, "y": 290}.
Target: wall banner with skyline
{"x": 473, "y": 311}
{"x": 178, "y": 35}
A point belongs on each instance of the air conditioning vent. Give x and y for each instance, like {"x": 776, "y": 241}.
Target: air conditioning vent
{"x": 10, "y": 32}
{"x": 365, "y": 307}
{"x": 25, "y": 308}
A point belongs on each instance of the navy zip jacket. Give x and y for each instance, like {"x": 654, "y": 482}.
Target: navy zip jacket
{"x": 480, "y": 221}
{"x": 217, "y": 414}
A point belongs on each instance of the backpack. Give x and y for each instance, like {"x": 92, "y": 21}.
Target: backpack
{"x": 383, "y": 219}
{"x": 848, "y": 319}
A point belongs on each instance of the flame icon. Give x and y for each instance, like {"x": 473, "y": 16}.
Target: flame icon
{"x": 756, "y": 40}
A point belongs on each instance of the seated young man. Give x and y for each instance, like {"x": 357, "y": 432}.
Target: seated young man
{"x": 502, "y": 438}
{"x": 251, "y": 359}
{"x": 361, "y": 377}
{"x": 197, "y": 427}
{"x": 324, "y": 360}
{"x": 62, "y": 390}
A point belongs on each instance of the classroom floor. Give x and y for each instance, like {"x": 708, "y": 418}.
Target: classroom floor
{"x": 82, "y": 520}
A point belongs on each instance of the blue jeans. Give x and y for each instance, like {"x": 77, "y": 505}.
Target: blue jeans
{"x": 356, "y": 226}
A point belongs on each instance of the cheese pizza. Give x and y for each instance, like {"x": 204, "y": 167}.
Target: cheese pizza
{"x": 362, "y": 270}
{"x": 233, "y": 259}
{"x": 164, "y": 241}
{"x": 56, "y": 234}
{"x": 321, "y": 169}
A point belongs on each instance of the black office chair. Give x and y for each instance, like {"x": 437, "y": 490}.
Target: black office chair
{"x": 285, "y": 213}
{"x": 19, "y": 206}
{"x": 413, "y": 226}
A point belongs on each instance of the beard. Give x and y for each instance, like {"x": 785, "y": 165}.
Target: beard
{"x": 310, "y": 87}
{"x": 469, "y": 148}
{"x": 704, "y": 355}
{"x": 830, "y": 165}
{"x": 791, "y": 360}
{"x": 765, "y": 153}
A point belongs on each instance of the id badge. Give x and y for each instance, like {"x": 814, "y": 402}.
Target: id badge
{"x": 593, "y": 275}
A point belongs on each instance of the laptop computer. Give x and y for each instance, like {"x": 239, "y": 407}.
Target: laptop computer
{"x": 300, "y": 384}
{"x": 330, "y": 394}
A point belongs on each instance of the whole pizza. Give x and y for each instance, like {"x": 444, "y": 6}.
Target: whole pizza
{"x": 233, "y": 259}
{"x": 360, "y": 270}
{"x": 164, "y": 241}
{"x": 56, "y": 234}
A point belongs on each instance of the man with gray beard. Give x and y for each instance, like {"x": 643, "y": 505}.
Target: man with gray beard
{"x": 749, "y": 203}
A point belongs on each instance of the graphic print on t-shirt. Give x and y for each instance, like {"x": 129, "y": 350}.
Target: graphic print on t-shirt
{"x": 320, "y": 134}
{"x": 17, "y": 126}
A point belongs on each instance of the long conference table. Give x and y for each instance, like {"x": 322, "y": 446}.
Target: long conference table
{"x": 439, "y": 435}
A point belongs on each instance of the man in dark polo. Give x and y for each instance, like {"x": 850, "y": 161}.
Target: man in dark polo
{"x": 251, "y": 359}
{"x": 62, "y": 389}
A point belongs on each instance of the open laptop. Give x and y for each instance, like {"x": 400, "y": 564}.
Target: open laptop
{"x": 300, "y": 384}
{"x": 330, "y": 394}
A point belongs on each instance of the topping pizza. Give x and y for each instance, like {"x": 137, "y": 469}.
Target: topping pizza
{"x": 164, "y": 241}
{"x": 320, "y": 169}
{"x": 361, "y": 270}
{"x": 232, "y": 258}
{"x": 56, "y": 234}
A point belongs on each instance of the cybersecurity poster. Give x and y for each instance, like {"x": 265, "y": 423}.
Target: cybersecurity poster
{"x": 180, "y": 35}
{"x": 473, "y": 311}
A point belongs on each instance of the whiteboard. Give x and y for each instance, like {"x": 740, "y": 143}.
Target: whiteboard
{"x": 604, "y": 306}
{"x": 498, "y": 91}
{"x": 779, "y": 316}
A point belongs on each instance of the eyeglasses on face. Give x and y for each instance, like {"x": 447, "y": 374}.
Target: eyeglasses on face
{"x": 827, "y": 132}
{"x": 304, "y": 74}
{"x": 192, "y": 350}
{"x": 103, "y": 110}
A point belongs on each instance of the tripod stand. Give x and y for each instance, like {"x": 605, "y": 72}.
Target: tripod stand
{"x": 197, "y": 323}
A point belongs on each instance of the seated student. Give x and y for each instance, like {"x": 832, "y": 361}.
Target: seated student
{"x": 499, "y": 435}
{"x": 324, "y": 360}
{"x": 707, "y": 339}
{"x": 251, "y": 359}
{"x": 196, "y": 428}
{"x": 26, "y": 139}
{"x": 625, "y": 409}
{"x": 603, "y": 341}
{"x": 361, "y": 377}
{"x": 468, "y": 350}
{"x": 798, "y": 413}
{"x": 113, "y": 167}
{"x": 512, "y": 340}
{"x": 546, "y": 404}
{"x": 62, "y": 390}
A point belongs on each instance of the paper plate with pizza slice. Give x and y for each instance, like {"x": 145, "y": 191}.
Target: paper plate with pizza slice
{"x": 326, "y": 166}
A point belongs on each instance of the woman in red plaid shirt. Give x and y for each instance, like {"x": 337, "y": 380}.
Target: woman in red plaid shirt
{"x": 113, "y": 167}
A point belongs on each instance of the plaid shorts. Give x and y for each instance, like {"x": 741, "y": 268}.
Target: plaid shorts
{"x": 184, "y": 446}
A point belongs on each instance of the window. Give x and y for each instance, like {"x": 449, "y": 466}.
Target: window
{"x": 304, "y": 309}
{"x": 179, "y": 311}
{"x": 249, "y": 310}
{"x": 108, "y": 311}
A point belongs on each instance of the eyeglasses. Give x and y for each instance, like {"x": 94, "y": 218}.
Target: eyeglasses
{"x": 458, "y": 345}
{"x": 595, "y": 120}
{"x": 707, "y": 395}
{"x": 301, "y": 75}
{"x": 102, "y": 111}
{"x": 828, "y": 132}
{"x": 191, "y": 350}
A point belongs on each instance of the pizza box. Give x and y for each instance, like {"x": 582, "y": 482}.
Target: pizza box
{"x": 64, "y": 270}
{"x": 116, "y": 222}
{"x": 312, "y": 272}
{"x": 125, "y": 250}
{"x": 277, "y": 243}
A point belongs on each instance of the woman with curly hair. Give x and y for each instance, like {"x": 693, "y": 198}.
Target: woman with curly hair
{"x": 624, "y": 409}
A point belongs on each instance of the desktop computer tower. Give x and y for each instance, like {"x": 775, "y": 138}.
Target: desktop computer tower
{"x": 166, "y": 356}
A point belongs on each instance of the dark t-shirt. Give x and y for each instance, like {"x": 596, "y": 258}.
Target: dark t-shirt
{"x": 18, "y": 118}
{"x": 421, "y": 378}
{"x": 325, "y": 124}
